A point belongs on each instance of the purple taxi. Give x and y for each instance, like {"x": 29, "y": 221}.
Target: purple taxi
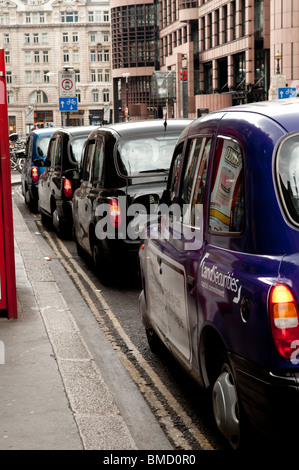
{"x": 220, "y": 266}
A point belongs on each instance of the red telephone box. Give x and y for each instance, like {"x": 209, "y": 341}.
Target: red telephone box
{"x": 8, "y": 296}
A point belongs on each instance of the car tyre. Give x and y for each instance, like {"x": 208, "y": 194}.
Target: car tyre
{"x": 228, "y": 412}
{"x": 153, "y": 340}
{"x": 101, "y": 265}
{"x": 60, "y": 225}
{"x": 80, "y": 250}
{"x": 31, "y": 203}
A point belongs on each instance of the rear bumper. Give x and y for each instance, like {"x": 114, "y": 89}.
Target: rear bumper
{"x": 120, "y": 248}
{"x": 65, "y": 211}
{"x": 270, "y": 399}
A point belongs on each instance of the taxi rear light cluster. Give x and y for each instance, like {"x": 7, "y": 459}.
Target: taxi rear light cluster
{"x": 115, "y": 213}
{"x": 284, "y": 319}
{"x": 67, "y": 188}
{"x": 34, "y": 174}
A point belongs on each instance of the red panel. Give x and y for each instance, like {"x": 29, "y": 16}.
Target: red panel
{"x": 7, "y": 262}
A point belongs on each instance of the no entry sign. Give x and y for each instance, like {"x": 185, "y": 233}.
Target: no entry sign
{"x": 67, "y": 86}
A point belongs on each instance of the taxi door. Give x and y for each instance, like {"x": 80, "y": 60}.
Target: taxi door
{"x": 182, "y": 231}
{"x": 84, "y": 202}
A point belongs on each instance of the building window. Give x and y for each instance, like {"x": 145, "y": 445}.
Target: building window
{"x": 75, "y": 37}
{"x": 78, "y": 95}
{"x": 4, "y": 18}
{"x": 65, "y": 37}
{"x": 7, "y": 57}
{"x": 208, "y": 76}
{"x": 106, "y": 56}
{"x": 93, "y": 75}
{"x": 100, "y": 56}
{"x": 37, "y": 76}
{"x": 95, "y": 96}
{"x": 36, "y": 57}
{"x": 27, "y": 57}
{"x": 6, "y": 39}
{"x": 76, "y": 55}
{"x": 28, "y": 18}
{"x": 27, "y": 38}
{"x": 92, "y": 55}
{"x": 77, "y": 76}
{"x": 35, "y": 38}
{"x": 93, "y": 36}
{"x": 239, "y": 71}
{"x": 28, "y": 77}
{"x": 45, "y": 57}
{"x": 38, "y": 97}
{"x": 106, "y": 96}
{"x": 10, "y": 97}
{"x": 41, "y": 17}
{"x": 44, "y": 38}
{"x": 46, "y": 76}
{"x": 106, "y": 17}
{"x": 107, "y": 75}
{"x": 9, "y": 77}
{"x": 69, "y": 17}
{"x": 95, "y": 16}
{"x": 66, "y": 57}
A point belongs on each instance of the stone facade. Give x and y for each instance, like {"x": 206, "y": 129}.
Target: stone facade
{"x": 40, "y": 39}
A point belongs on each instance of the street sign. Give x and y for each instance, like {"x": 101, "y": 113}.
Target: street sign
{"x": 286, "y": 92}
{"x": 68, "y": 104}
{"x": 67, "y": 85}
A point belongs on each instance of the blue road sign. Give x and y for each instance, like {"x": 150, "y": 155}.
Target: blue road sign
{"x": 286, "y": 92}
{"x": 68, "y": 104}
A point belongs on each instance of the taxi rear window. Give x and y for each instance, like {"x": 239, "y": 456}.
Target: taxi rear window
{"x": 76, "y": 148}
{"x": 288, "y": 176}
{"x": 42, "y": 146}
{"x": 145, "y": 155}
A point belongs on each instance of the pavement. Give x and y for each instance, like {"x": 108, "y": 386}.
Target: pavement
{"x": 62, "y": 385}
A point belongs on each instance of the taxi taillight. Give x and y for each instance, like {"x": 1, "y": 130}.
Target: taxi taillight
{"x": 284, "y": 319}
{"x": 115, "y": 213}
{"x": 34, "y": 174}
{"x": 67, "y": 187}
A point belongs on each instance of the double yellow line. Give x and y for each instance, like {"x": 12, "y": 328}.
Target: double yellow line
{"x": 164, "y": 417}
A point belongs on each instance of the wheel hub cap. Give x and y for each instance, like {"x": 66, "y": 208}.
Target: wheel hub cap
{"x": 225, "y": 404}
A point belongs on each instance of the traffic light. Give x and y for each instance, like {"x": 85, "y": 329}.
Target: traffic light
{"x": 183, "y": 75}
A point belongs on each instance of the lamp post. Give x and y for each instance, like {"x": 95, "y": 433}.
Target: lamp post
{"x": 278, "y": 80}
{"x": 278, "y": 57}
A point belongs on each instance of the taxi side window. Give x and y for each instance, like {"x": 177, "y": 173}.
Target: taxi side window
{"x": 193, "y": 187}
{"x": 174, "y": 172}
{"x": 51, "y": 152}
{"x": 88, "y": 161}
{"x": 226, "y": 212}
{"x": 57, "y": 163}
{"x": 29, "y": 146}
{"x": 98, "y": 159}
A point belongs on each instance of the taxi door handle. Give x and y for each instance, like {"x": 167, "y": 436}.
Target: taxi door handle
{"x": 190, "y": 282}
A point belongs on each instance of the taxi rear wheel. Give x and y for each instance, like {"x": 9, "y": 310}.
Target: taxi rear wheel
{"x": 153, "y": 340}
{"x": 101, "y": 265}
{"x": 226, "y": 406}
